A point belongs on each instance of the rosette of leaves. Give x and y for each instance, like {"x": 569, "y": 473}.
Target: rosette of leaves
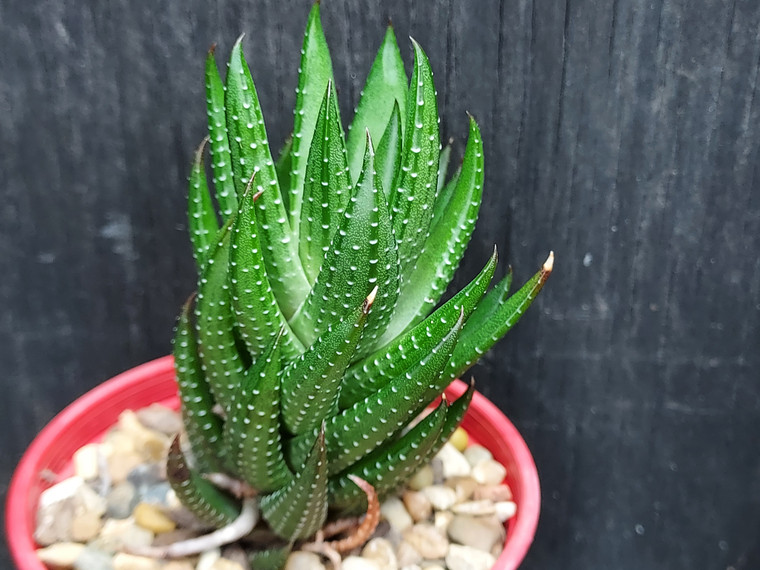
{"x": 314, "y": 339}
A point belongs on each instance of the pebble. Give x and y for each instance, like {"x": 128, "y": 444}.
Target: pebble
{"x": 122, "y": 534}
{"x": 454, "y": 463}
{"x": 208, "y": 559}
{"x": 120, "y": 463}
{"x": 395, "y": 513}
{"x": 86, "y": 461}
{"x": 179, "y": 565}
{"x": 442, "y": 520}
{"x": 300, "y": 560}
{"x": 407, "y": 555}
{"x": 85, "y": 526}
{"x": 60, "y": 555}
{"x": 121, "y": 500}
{"x": 423, "y": 478}
{"x": 150, "y": 444}
{"x": 123, "y": 561}
{"x": 226, "y": 564}
{"x": 160, "y": 418}
{"x": 477, "y": 453}
{"x": 359, "y": 563}
{"x": 475, "y": 508}
{"x": 505, "y": 510}
{"x": 479, "y": 532}
{"x": 151, "y": 517}
{"x": 467, "y": 558}
{"x": 426, "y": 540}
{"x": 440, "y": 496}
{"x": 381, "y": 551}
{"x": 60, "y": 505}
{"x": 489, "y": 472}
{"x": 464, "y": 487}
{"x": 495, "y": 493}
{"x": 459, "y": 439}
{"x": 417, "y": 505}
{"x": 93, "y": 559}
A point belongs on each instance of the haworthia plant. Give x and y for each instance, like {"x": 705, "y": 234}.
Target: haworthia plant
{"x": 314, "y": 339}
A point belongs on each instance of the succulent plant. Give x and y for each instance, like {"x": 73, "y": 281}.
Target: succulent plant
{"x": 312, "y": 343}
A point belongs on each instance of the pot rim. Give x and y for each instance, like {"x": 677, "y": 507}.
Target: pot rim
{"x": 127, "y": 391}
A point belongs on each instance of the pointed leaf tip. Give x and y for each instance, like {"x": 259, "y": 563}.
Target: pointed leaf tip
{"x": 370, "y": 299}
{"x": 549, "y": 263}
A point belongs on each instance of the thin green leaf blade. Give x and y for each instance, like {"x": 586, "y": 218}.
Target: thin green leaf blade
{"x": 203, "y": 427}
{"x": 389, "y": 466}
{"x": 220, "y": 359}
{"x": 443, "y": 166}
{"x": 311, "y": 383}
{"x": 203, "y": 499}
{"x": 251, "y": 156}
{"x": 415, "y": 187}
{"x": 360, "y": 429}
{"x": 224, "y": 185}
{"x": 484, "y": 329}
{"x": 445, "y": 244}
{"x": 327, "y": 187}
{"x": 257, "y": 314}
{"x": 361, "y": 256}
{"x": 282, "y": 166}
{"x": 299, "y": 509}
{"x": 314, "y": 73}
{"x": 388, "y": 154}
{"x": 385, "y": 87}
{"x": 202, "y": 221}
{"x": 252, "y": 430}
{"x": 373, "y": 372}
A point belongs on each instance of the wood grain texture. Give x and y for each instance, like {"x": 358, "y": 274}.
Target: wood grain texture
{"x": 624, "y": 135}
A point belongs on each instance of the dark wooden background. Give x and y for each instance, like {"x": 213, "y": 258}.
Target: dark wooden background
{"x": 625, "y": 135}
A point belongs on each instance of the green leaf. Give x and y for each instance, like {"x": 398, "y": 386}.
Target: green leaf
{"x": 443, "y": 166}
{"x": 251, "y": 155}
{"x": 252, "y": 429}
{"x": 327, "y": 186}
{"x": 299, "y": 509}
{"x": 203, "y": 499}
{"x": 386, "y": 86}
{"x": 454, "y": 416}
{"x": 361, "y": 256}
{"x": 313, "y": 74}
{"x": 445, "y": 245}
{"x": 485, "y": 327}
{"x": 220, "y": 359}
{"x": 373, "y": 372}
{"x": 202, "y": 220}
{"x": 273, "y": 558}
{"x": 226, "y": 195}
{"x": 388, "y": 154}
{"x": 311, "y": 383}
{"x": 415, "y": 187}
{"x": 258, "y": 316}
{"x": 203, "y": 427}
{"x": 364, "y": 426}
{"x": 282, "y": 167}
{"x": 389, "y": 466}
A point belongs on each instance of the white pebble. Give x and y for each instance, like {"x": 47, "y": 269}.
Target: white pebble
{"x": 454, "y": 463}
{"x": 440, "y": 496}
{"x": 60, "y": 555}
{"x": 359, "y": 563}
{"x": 489, "y": 472}
{"x": 86, "y": 461}
{"x": 476, "y": 454}
{"x": 505, "y": 510}
{"x": 395, "y": 513}
{"x": 467, "y": 558}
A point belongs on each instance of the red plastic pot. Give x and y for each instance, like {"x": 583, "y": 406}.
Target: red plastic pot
{"x": 88, "y": 418}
